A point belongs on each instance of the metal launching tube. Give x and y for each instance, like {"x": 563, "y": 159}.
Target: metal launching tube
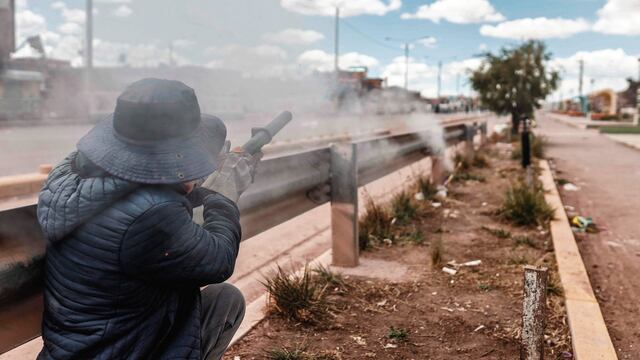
{"x": 263, "y": 135}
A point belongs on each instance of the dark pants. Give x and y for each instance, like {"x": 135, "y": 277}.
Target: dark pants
{"x": 222, "y": 312}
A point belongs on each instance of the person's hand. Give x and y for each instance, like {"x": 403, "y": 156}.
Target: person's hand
{"x": 236, "y": 172}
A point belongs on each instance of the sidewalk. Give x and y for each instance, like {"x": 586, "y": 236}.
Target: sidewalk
{"x": 630, "y": 140}
{"x": 607, "y": 174}
{"x": 584, "y": 123}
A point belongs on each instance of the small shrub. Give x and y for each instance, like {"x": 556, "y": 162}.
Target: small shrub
{"x": 375, "y": 225}
{"x": 484, "y": 287}
{"x": 297, "y": 353}
{"x": 415, "y": 237}
{"x": 327, "y": 276}
{"x": 426, "y": 187}
{"x": 480, "y": 160}
{"x": 437, "y": 253}
{"x": 553, "y": 287}
{"x": 461, "y": 162}
{"x": 538, "y": 146}
{"x": 403, "y": 208}
{"x": 518, "y": 260}
{"x": 297, "y": 297}
{"x": 525, "y": 241}
{"x": 499, "y": 233}
{"x": 525, "y": 206}
{"x": 467, "y": 176}
{"x": 398, "y": 334}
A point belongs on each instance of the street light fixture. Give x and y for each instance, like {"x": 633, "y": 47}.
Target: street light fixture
{"x": 407, "y": 44}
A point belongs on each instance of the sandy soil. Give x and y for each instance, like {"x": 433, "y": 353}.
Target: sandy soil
{"x": 475, "y": 314}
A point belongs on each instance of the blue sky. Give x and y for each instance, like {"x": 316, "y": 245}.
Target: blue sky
{"x": 248, "y": 35}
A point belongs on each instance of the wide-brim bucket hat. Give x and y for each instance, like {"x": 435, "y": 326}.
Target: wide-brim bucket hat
{"x": 156, "y": 135}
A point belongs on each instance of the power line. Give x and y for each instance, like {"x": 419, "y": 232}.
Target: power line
{"x": 368, "y": 37}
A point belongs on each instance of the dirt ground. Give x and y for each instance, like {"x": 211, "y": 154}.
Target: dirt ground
{"x": 474, "y": 314}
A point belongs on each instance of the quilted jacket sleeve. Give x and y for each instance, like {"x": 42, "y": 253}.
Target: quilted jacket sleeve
{"x": 165, "y": 245}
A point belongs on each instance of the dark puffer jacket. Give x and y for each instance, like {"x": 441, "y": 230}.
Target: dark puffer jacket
{"x": 124, "y": 265}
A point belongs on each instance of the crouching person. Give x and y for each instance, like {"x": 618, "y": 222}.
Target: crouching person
{"x": 125, "y": 262}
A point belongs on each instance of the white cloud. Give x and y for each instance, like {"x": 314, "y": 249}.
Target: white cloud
{"x": 483, "y": 47}
{"x": 424, "y": 77}
{"x": 536, "y": 28}
{"x": 347, "y": 7}
{"x": 122, "y": 11}
{"x": 113, "y": 1}
{"x": 136, "y": 55}
{"x": 183, "y": 43}
{"x": 457, "y": 11}
{"x": 319, "y": 60}
{"x": 28, "y": 24}
{"x": 58, "y": 5}
{"x": 70, "y": 28}
{"x": 294, "y": 37}
{"x": 608, "y": 67}
{"x": 428, "y": 42}
{"x": 619, "y": 17}
{"x": 260, "y": 61}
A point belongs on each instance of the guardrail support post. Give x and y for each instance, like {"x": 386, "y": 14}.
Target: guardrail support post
{"x": 438, "y": 168}
{"x": 470, "y": 132}
{"x": 344, "y": 205}
{"x": 483, "y": 134}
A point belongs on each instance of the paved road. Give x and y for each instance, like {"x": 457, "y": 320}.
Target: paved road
{"x": 608, "y": 175}
{"x": 23, "y": 149}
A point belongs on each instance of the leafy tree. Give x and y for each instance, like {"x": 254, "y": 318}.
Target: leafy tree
{"x": 515, "y": 81}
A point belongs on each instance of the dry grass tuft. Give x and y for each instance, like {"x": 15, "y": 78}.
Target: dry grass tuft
{"x": 525, "y": 206}
{"x": 297, "y": 297}
{"x": 375, "y": 225}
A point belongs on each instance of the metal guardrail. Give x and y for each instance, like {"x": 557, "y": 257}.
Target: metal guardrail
{"x": 286, "y": 186}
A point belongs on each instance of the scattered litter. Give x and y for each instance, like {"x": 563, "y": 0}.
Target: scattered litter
{"x": 449, "y": 271}
{"x": 236, "y": 357}
{"x": 393, "y": 221}
{"x": 436, "y": 204}
{"x": 479, "y": 328}
{"x": 499, "y": 128}
{"x": 454, "y": 264}
{"x": 390, "y": 346}
{"x": 419, "y": 196}
{"x": 434, "y": 293}
{"x": 387, "y": 242}
{"x": 359, "y": 340}
{"x": 613, "y": 244}
{"x": 485, "y": 203}
{"x": 583, "y": 224}
{"x": 570, "y": 187}
{"x": 382, "y": 303}
{"x": 447, "y": 309}
{"x": 441, "y": 193}
{"x": 569, "y": 208}
{"x": 447, "y": 213}
{"x": 472, "y": 263}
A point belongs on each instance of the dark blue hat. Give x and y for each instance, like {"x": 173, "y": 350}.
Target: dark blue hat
{"x": 156, "y": 135}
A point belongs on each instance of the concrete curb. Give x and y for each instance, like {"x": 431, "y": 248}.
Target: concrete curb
{"x": 589, "y": 334}
{"x": 613, "y": 138}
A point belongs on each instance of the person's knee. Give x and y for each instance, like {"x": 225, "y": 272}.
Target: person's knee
{"x": 235, "y": 300}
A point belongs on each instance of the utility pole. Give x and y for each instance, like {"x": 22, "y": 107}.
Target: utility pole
{"x": 88, "y": 51}
{"x": 336, "y": 64}
{"x": 406, "y": 66}
{"x": 581, "y": 62}
{"x": 439, "y": 77}
{"x": 88, "y": 55}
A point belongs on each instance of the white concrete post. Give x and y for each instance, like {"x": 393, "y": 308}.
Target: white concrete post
{"x": 344, "y": 205}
